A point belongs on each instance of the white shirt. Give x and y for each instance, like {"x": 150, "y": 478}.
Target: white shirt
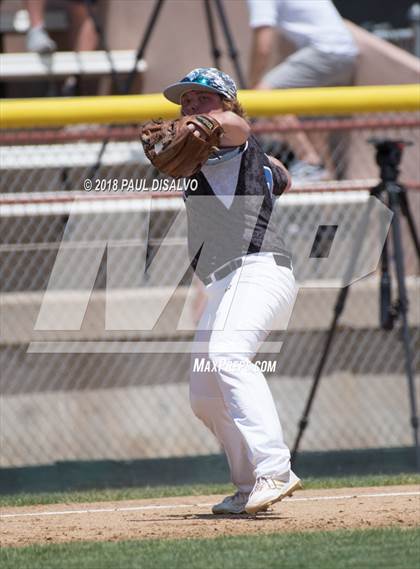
{"x": 305, "y": 23}
{"x": 222, "y": 175}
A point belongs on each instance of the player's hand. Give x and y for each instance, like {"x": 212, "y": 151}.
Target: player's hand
{"x": 195, "y": 131}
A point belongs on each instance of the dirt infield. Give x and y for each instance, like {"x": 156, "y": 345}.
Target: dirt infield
{"x": 189, "y": 517}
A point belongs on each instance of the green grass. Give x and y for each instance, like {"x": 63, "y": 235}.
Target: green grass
{"x": 369, "y": 549}
{"x": 192, "y": 490}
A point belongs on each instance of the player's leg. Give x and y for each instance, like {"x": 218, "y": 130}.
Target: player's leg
{"x": 208, "y": 405}
{"x": 260, "y": 294}
{"x": 268, "y": 293}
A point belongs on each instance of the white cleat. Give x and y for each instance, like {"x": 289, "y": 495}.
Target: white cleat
{"x": 234, "y": 504}
{"x": 268, "y": 491}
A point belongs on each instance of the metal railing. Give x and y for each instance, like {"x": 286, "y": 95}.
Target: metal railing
{"x": 406, "y": 38}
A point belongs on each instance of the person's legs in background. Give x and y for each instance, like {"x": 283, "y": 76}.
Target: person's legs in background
{"x": 83, "y": 37}
{"x": 37, "y": 39}
{"x": 307, "y": 67}
{"x": 82, "y": 31}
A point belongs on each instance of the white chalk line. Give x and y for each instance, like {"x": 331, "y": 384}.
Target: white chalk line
{"x": 180, "y": 506}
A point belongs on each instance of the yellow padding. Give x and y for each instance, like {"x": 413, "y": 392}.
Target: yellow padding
{"x": 138, "y": 108}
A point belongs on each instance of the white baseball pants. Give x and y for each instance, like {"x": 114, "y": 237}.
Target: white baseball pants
{"x": 231, "y": 395}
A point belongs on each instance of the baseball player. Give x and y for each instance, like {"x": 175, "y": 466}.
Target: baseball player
{"x": 248, "y": 278}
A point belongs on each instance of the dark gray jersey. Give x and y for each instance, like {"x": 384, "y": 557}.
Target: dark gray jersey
{"x": 220, "y": 230}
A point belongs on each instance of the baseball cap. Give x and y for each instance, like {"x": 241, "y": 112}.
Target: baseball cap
{"x": 202, "y": 79}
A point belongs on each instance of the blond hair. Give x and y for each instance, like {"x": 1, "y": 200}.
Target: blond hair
{"x": 234, "y": 106}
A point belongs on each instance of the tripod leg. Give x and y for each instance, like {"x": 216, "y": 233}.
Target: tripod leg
{"x": 303, "y": 423}
{"x": 233, "y": 53}
{"x": 405, "y": 210}
{"x": 386, "y": 312}
{"x": 215, "y": 51}
{"x": 130, "y": 79}
{"x": 394, "y": 193}
{"x": 338, "y": 309}
{"x": 143, "y": 45}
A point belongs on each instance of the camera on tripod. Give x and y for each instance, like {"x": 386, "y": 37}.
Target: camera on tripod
{"x": 388, "y": 155}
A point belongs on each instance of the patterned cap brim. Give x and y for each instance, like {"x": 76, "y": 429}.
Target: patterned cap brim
{"x": 174, "y": 92}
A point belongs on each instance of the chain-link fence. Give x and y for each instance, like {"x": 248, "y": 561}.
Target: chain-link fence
{"x": 81, "y": 381}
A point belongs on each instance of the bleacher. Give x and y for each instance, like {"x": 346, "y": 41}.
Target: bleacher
{"x": 23, "y": 66}
{"x": 33, "y": 67}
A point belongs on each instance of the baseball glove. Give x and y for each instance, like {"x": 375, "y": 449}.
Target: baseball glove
{"x": 174, "y": 148}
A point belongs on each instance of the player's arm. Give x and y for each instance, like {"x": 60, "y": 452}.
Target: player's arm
{"x": 261, "y": 49}
{"x": 281, "y": 177}
{"x": 236, "y": 130}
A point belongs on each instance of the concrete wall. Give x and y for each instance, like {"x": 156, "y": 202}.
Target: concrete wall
{"x": 351, "y": 411}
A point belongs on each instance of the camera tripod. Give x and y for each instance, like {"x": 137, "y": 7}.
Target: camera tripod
{"x": 388, "y": 157}
{"x": 215, "y": 51}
